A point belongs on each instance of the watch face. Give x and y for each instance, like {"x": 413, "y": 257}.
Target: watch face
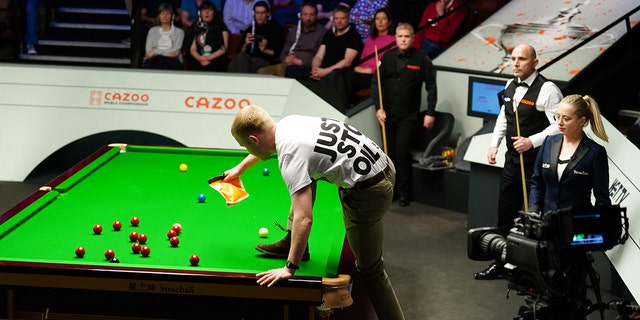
{"x": 292, "y": 266}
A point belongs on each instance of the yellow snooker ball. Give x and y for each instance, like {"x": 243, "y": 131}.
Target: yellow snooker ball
{"x": 263, "y": 232}
{"x": 183, "y": 167}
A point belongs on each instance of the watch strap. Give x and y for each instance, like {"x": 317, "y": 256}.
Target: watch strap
{"x": 292, "y": 266}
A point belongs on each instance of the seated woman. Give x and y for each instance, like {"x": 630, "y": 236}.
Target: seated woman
{"x": 209, "y": 46}
{"x": 349, "y": 81}
{"x": 164, "y": 42}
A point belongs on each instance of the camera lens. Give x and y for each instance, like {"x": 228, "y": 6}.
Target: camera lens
{"x": 492, "y": 244}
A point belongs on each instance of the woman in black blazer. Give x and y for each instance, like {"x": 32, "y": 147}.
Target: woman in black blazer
{"x": 570, "y": 165}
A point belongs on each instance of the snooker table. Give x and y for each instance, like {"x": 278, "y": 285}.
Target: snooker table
{"x": 39, "y": 235}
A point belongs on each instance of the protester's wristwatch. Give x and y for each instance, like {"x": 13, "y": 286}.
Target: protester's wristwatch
{"x": 291, "y": 266}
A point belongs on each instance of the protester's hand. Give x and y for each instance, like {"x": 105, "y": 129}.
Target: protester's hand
{"x": 271, "y": 277}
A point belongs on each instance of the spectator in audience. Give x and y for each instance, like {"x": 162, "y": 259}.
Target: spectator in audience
{"x": 238, "y": 15}
{"x": 302, "y": 42}
{"x": 149, "y": 10}
{"x": 163, "y": 49}
{"x": 339, "y": 49}
{"x": 436, "y": 37}
{"x": 361, "y": 15}
{"x": 382, "y": 38}
{"x": 209, "y": 46}
{"x": 31, "y": 27}
{"x": 189, "y": 11}
{"x": 402, "y": 72}
{"x": 325, "y": 10}
{"x": 263, "y": 42}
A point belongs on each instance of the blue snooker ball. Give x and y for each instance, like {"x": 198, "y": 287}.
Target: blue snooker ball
{"x": 265, "y": 171}
{"x": 202, "y": 198}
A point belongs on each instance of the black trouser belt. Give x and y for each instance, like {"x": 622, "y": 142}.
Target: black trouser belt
{"x": 366, "y": 184}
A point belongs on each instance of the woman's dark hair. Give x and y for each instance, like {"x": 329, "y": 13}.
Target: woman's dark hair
{"x": 372, "y": 26}
{"x": 207, "y": 4}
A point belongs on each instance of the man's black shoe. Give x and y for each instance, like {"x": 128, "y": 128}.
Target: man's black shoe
{"x": 403, "y": 201}
{"x": 494, "y": 271}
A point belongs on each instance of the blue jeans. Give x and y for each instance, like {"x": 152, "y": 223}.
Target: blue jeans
{"x": 31, "y": 32}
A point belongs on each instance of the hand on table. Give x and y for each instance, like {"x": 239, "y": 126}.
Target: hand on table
{"x": 269, "y": 278}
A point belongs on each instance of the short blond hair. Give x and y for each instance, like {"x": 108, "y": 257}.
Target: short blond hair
{"x": 250, "y": 120}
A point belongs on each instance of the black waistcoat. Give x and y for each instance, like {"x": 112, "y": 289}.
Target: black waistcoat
{"x": 530, "y": 119}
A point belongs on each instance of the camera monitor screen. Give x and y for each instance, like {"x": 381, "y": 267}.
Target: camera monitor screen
{"x": 587, "y": 229}
{"x": 485, "y": 97}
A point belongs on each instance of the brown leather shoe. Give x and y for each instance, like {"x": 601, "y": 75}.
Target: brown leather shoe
{"x": 281, "y": 248}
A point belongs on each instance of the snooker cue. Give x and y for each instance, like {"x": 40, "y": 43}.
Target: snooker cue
{"x": 524, "y": 184}
{"x": 384, "y": 132}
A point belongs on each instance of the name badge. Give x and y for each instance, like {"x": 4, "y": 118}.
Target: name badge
{"x": 580, "y": 173}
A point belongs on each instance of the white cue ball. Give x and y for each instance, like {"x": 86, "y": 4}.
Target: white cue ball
{"x": 263, "y": 232}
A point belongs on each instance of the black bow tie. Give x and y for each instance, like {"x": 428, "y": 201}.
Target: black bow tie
{"x": 522, "y": 84}
{"x": 404, "y": 55}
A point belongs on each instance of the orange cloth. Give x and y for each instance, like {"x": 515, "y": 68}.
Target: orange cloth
{"x": 232, "y": 190}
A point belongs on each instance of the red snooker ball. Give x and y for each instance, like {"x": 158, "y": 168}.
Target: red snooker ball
{"x": 80, "y": 252}
{"x": 142, "y": 238}
{"x": 117, "y": 225}
{"x": 97, "y": 229}
{"x": 136, "y": 247}
{"x": 194, "y": 259}
{"x": 109, "y": 254}
{"x": 133, "y": 236}
{"x": 171, "y": 233}
{"x": 135, "y": 221}
{"x": 174, "y": 241}
{"x": 177, "y": 227}
{"x": 145, "y": 251}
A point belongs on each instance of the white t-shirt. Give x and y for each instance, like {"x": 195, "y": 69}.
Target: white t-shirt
{"x": 320, "y": 148}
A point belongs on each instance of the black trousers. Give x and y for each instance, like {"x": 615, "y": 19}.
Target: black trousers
{"x": 400, "y": 133}
{"x": 511, "y": 199}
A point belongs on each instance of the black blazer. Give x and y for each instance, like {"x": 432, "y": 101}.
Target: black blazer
{"x": 587, "y": 170}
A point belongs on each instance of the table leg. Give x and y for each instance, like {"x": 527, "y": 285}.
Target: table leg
{"x": 10, "y": 304}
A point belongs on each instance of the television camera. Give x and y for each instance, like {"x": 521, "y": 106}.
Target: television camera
{"x": 551, "y": 257}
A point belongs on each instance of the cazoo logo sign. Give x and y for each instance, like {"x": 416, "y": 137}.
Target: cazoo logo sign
{"x": 122, "y": 98}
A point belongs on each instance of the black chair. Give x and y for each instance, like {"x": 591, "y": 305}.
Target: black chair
{"x": 427, "y": 146}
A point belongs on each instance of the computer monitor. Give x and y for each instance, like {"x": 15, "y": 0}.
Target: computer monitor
{"x": 485, "y": 97}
